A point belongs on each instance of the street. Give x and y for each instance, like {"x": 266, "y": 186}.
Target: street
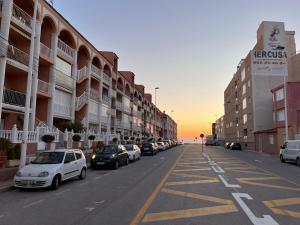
{"x": 181, "y": 186}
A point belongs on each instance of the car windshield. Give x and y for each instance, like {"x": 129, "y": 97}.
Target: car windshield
{"x": 49, "y": 158}
{"x": 109, "y": 149}
{"x": 147, "y": 145}
{"x": 129, "y": 147}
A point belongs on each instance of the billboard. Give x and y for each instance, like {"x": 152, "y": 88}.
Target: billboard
{"x": 274, "y": 36}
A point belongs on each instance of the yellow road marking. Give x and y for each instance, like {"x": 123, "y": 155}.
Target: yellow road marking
{"x": 274, "y": 204}
{"x": 199, "y": 169}
{"x": 246, "y": 171}
{"x": 192, "y": 175}
{"x": 193, "y": 163}
{"x": 175, "y": 183}
{"x": 149, "y": 201}
{"x": 189, "y": 166}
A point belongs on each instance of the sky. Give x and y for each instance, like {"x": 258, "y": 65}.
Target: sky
{"x": 187, "y": 48}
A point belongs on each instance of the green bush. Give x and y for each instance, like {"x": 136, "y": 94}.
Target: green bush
{"x": 115, "y": 140}
{"x": 126, "y": 138}
{"x": 92, "y": 137}
{"x": 132, "y": 138}
{"x": 5, "y": 145}
{"x": 76, "y": 137}
{"x": 48, "y": 138}
{"x": 77, "y": 127}
{"x": 14, "y": 152}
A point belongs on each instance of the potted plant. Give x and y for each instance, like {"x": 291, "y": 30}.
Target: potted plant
{"x": 115, "y": 140}
{"x": 13, "y": 156}
{"x": 126, "y": 138}
{"x": 92, "y": 137}
{"x": 76, "y": 138}
{"x": 5, "y": 145}
{"x": 48, "y": 139}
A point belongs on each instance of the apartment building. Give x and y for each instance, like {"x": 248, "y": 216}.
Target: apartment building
{"x": 248, "y": 97}
{"x": 51, "y": 75}
{"x": 219, "y": 128}
{"x": 169, "y": 127}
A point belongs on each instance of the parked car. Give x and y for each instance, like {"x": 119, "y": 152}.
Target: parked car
{"x": 161, "y": 146}
{"x": 235, "y": 146}
{"x": 50, "y": 168}
{"x": 227, "y": 145}
{"x": 167, "y": 144}
{"x": 133, "y": 151}
{"x": 290, "y": 151}
{"x": 111, "y": 156}
{"x": 149, "y": 149}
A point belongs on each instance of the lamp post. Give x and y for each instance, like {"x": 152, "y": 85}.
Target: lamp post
{"x": 155, "y": 112}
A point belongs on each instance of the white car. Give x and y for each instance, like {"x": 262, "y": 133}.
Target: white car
{"x": 161, "y": 146}
{"x": 134, "y": 152}
{"x": 50, "y": 168}
{"x": 290, "y": 151}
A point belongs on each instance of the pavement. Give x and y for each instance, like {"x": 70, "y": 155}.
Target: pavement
{"x": 182, "y": 186}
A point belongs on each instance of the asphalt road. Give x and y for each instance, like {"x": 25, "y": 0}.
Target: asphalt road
{"x": 182, "y": 186}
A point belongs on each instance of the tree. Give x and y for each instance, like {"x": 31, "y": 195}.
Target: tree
{"x": 77, "y": 127}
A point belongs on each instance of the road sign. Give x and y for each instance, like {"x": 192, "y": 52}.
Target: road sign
{"x": 202, "y": 135}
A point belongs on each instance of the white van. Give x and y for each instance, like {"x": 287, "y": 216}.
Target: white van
{"x": 290, "y": 151}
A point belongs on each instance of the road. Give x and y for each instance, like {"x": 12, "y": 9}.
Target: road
{"x": 182, "y": 186}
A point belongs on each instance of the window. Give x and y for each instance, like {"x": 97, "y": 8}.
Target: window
{"x": 64, "y": 67}
{"x": 244, "y": 88}
{"x": 70, "y": 157}
{"x": 279, "y": 95}
{"x": 245, "y": 134}
{"x": 245, "y": 118}
{"x": 271, "y": 139}
{"x": 243, "y": 74}
{"x": 78, "y": 155}
{"x": 280, "y": 116}
{"x": 244, "y": 103}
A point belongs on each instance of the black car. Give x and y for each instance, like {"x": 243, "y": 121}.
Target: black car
{"x": 235, "y": 146}
{"x": 110, "y": 156}
{"x": 149, "y": 149}
{"x": 227, "y": 145}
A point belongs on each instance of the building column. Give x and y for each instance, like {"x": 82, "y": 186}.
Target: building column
{"x": 109, "y": 108}
{"x": 54, "y": 40}
{"x": 74, "y": 76}
{"x": 36, "y": 56}
{"x": 7, "y": 6}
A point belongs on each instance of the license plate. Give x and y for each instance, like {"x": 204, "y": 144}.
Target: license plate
{"x": 146, "y": 148}
{"x": 28, "y": 182}
{"x": 100, "y": 163}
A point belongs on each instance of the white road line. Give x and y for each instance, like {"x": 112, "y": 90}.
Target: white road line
{"x": 99, "y": 203}
{"x": 97, "y": 178}
{"x": 62, "y": 192}
{"x": 33, "y": 203}
{"x": 259, "y": 161}
{"x": 218, "y": 169}
{"x": 84, "y": 183}
{"x": 90, "y": 209}
{"x": 227, "y": 184}
{"x": 266, "y": 220}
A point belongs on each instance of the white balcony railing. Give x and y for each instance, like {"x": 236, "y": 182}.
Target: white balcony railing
{"x": 119, "y": 105}
{"x": 104, "y": 120}
{"x": 106, "y": 78}
{"x": 65, "y": 49}
{"x": 94, "y": 94}
{"x": 96, "y": 71}
{"x": 81, "y": 73}
{"x": 93, "y": 118}
{"x": 20, "y": 17}
{"x": 126, "y": 125}
{"x": 44, "y": 50}
{"x": 62, "y": 110}
{"x": 44, "y": 87}
{"x": 81, "y": 100}
{"x": 17, "y": 55}
{"x": 106, "y": 100}
{"x": 63, "y": 80}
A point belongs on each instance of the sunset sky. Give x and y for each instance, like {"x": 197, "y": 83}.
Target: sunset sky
{"x": 188, "y": 48}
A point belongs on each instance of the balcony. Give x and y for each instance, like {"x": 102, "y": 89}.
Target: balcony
{"x": 63, "y": 80}
{"x": 62, "y": 110}
{"x": 119, "y": 105}
{"x": 127, "y": 109}
{"x": 65, "y": 49}
{"x": 119, "y": 123}
{"x": 136, "y": 127}
{"x": 96, "y": 71}
{"x": 21, "y": 18}
{"x": 94, "y": 118}
{"x": 106, "y": 78}
{"x": 94, "y": 94}
{"x": 81, "y": 100}
{"x": 17, "y": 55}
{"x": 137, "y": 114}
{"x": 104, "y": 120}
{"x": 46, "y": 52}
{"x": 15, "y": 98}
{"x": 106, "y": 100}
{"x": 44, "y": 87}
{"x": 82, "y": 73}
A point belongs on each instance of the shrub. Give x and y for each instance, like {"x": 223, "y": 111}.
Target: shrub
{"x": 138, "y": 139}
{"x": 115, "y": 140}
{"x": 14, "y": 152}
{"x": 77, "y": 127}
{"x": 76, "y": 137}
{"x": 132, "y": 138}
{"x": 5, "y": 145}
{"x": 126, "y": 138}
{"x": 48, "y": 138}
{"x": 92, "y": 137}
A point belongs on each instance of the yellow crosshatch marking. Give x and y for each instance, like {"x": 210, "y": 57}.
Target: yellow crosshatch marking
{"x": 174, "y": 183}
{"x": 199, "y": 169}
{"x": 193, "y": 163}
{"x": 252, "y": 181}
{"x": 245, "y": 170}
{"x": 189, "y": 166}
{"x": 192, "y": 175}
{"x": 275, "y": 204}
{"x": 227, "y": 207}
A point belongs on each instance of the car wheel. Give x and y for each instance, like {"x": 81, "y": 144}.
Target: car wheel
{"x": 127, "y": 161}
{"x": 298, "y": 161}
{"x": 55, "y": 183}
{"x": 82, "y": 174}
{"x": 116, "y": 165}
{"x": 282, "y": 159}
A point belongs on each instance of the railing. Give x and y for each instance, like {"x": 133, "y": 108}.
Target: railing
{"x": 126, "y": 125}
{"x": 44, "y": 50}
{"x": 93, "y": 117}
{"x": 82, "y": 99}
{"x": 106, "y": 100}
{"x": 65, "y": 49}
{"x": 119, "y": 124}
{"x": 106, "y": 78}
{"x": 81, "y": 73}
{"x": 104, "y": 120}
{"x": 96, "y": 71}
{"x": 63, "y": 80}
{"x": 94, "y": 94}
{"x": 21, "y": 16}
{"x": 17, "y": 55}
{"x": 119, "y": 105}
{"x": 44, "y": 87}
{"x": 63, "y": 110}
{"x": 6, "y": 133}
{"x": 14, "y": 98}
{"x": 127, "y": 109}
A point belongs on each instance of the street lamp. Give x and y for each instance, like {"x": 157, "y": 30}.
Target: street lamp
{"x": 155, "y": 110}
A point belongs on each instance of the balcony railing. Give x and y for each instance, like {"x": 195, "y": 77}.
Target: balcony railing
{"x": 44, "y": 87}
{"x": 93, "y": 117}
{"x": 14, "y": 98}
{"x": 81, "y": 73}
{"x": 62, "y": 110}
{"x": 44, "y": 50}
{"x": 119, "y": 123}
{"x": 127, "y": 109}
{"x": 65, "y": 49}
{"x": 17, "y": 55}
{"x": 94, "y": 94}
{"x": 106, "y": 100}
{"x": 104, "y": 120}
{"x": 96, "y": 71}
{"x": 106, "y": 78}
{"x": 63, "y": 80}
{"x": 119, "y": 105}
{"x": 82, "y": 99}
{"x": 21, "y": 17}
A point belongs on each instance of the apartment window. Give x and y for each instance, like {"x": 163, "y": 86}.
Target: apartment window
{"x": 243, "y": 74}
{"x": 279, "y": 94}
{"x": 280, "y": 116}
{"x": 244, "y": 88}
{"x": 271, "y": 139}
{"x": 244, "y": 103}
{"x": 64, "y": 67}
{"x": 249, "y": 83}
{"x": 126, "y": 102}
{"x": 238, "y": 133}
{"x": 245, "y": 134}
{"x": 245, "y": 118}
